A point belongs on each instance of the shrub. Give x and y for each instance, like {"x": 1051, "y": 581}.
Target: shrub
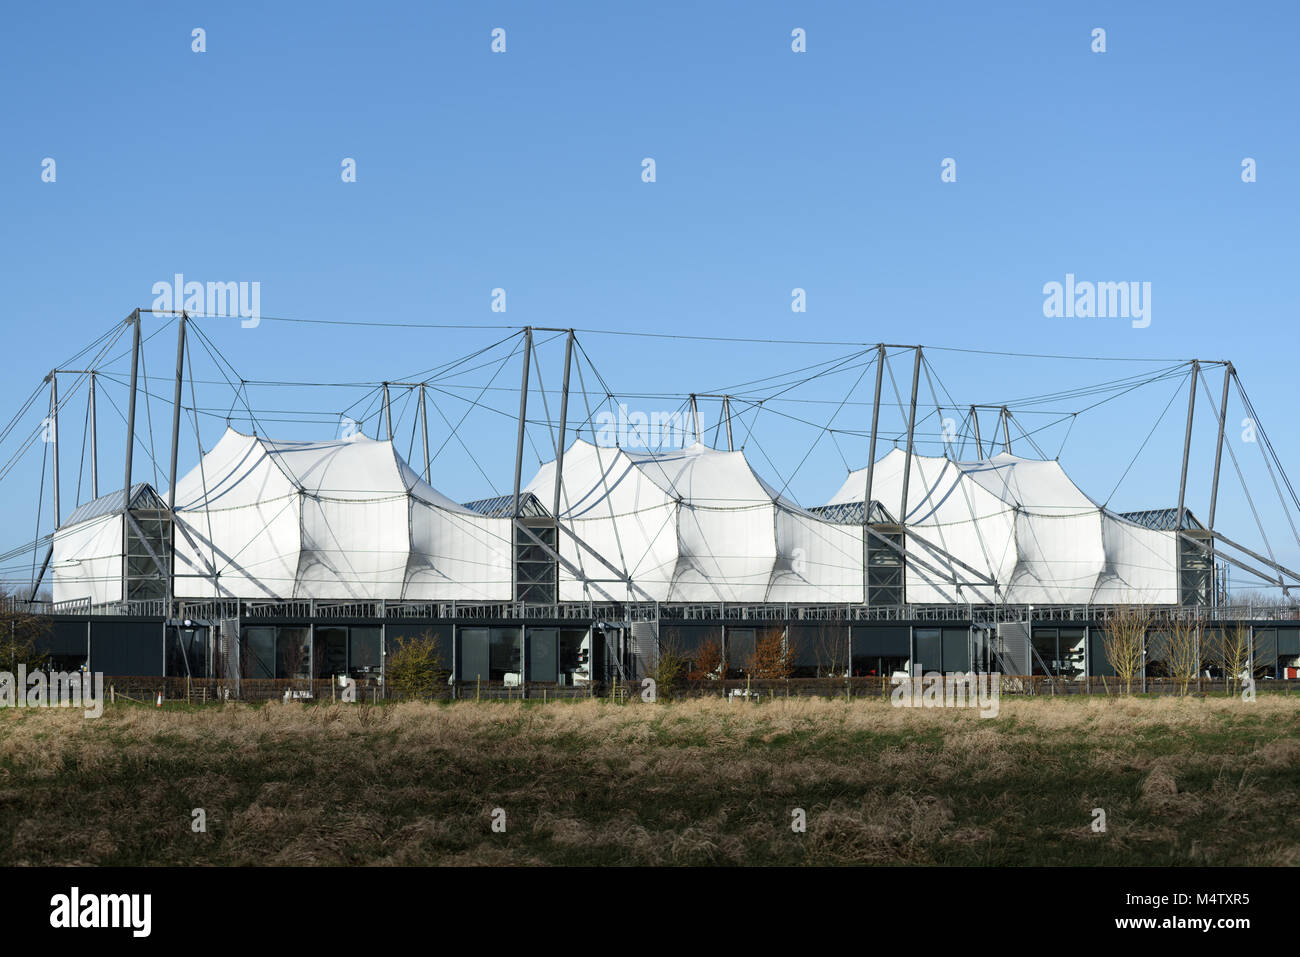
{"x": 415, "y": 669}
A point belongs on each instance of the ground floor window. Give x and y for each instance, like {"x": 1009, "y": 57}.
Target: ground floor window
{"x": 364, "y": 651}
{"x": 574, "y": 665}
{"x": 187, "y": 652}
{"x": 504, "y": 654}
{"x": 1059, "y": 652}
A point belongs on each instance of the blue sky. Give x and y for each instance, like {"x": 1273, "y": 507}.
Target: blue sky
{"x": 775, "y": 170}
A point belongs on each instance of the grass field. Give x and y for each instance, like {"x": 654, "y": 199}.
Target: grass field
{"x": 1182, "y": 781}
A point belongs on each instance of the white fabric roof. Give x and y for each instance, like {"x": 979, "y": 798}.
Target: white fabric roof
{"x": 87, "y": 559}
{"x": 1022, "y": 523}
{"x": 695, "y": 524}
{"x": 336, "y": 519}
{"x": 349, "y": 519}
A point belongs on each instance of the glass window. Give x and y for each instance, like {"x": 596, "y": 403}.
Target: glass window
{"x": 1045, "y": 658}
{"x": 292, "y": 653}
{"x": 1195, "y": 573}
{"x": 535, "y": 569}
{"x": 187, "y": 652}
{"x": 542, "y": 650}
{"x": 884, "y": 571}
{"x": 571, "y": 655}
{"x": 257, "y": 658}
{"x": 503, "y": 654}
{"x": 330, "y": 653}
{"x": 363, "y": 650}
{"x": 1098, "y": 664}
{"x": 144, "y": 580}
{"x": 1069, "y": 652}
{"x": 740, "y": 650}
{"x": 873, "y": 645}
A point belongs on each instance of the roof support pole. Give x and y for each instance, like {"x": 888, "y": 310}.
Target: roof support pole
{"x": 695, "y": 417}
{"x": 94, "y": 444}
{"x": 1218, "y": 449}
{"x": 176, "y": 412}
{"x": 726, "y": 417}
{"x": 130, "y": 434}
{"x": 176, "y": 436}
{"x": 911, "y": 434}
{"x": 424, "y": 427}
{"x": 388, "y": 413}
{"x": 1187, "y": 443}
{"x": 975, "y": 421}
{"x": 40, "y": 575}
{"x": 53, "y": 436}
{"x": 871, "y": 465}
{"x": 523, "y": 413}
{"x": 1006, "y": 430}
{"x": 1214, "y": 483}
{"x": 564, "y": 423}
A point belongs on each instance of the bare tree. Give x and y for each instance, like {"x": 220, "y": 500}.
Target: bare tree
{"x": 293, "y": 652}
{"x": 831, "y": 648}
{"x": 1231, "y": 649}
{"x": 1125, "y": 641}
{"x": 1182, "y": 647}
{"x": 671, "y": 666}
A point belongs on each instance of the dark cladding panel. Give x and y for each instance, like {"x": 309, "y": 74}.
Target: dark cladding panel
{"x": 821, "y": 644}
{"x": 929, "y": 649}
{"x": 887, "y": 642}
{"x": 1098, "y": 664}
{"x": 740, "y": 648}
{"x": 126, "y": 648}
{"x": 956, "y": 649}
{"x": 65, "y": 638}
{"x": 543, "y": 649}
{"x": 472, "y": 654}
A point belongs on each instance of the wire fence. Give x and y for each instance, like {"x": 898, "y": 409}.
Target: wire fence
{"x": 200, "y": 691}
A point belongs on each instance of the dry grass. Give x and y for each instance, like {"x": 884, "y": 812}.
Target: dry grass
{"x": 1182, "y": 780}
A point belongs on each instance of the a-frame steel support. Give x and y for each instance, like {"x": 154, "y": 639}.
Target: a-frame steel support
{"x": 176, "y": 435}
{"x": 871, "y": 467}
{"x": 564, "y": 424}
{"x": 911, "y": 433}
{"x": 523, "y": 416}
{"x": 1187, "y": 444}
{"x": 130, "y": 436}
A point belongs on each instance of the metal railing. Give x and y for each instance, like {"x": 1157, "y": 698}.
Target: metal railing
{"x": 623, "y": 613}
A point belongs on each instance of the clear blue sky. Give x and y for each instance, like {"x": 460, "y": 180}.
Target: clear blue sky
{"x": 775, "y": 170}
